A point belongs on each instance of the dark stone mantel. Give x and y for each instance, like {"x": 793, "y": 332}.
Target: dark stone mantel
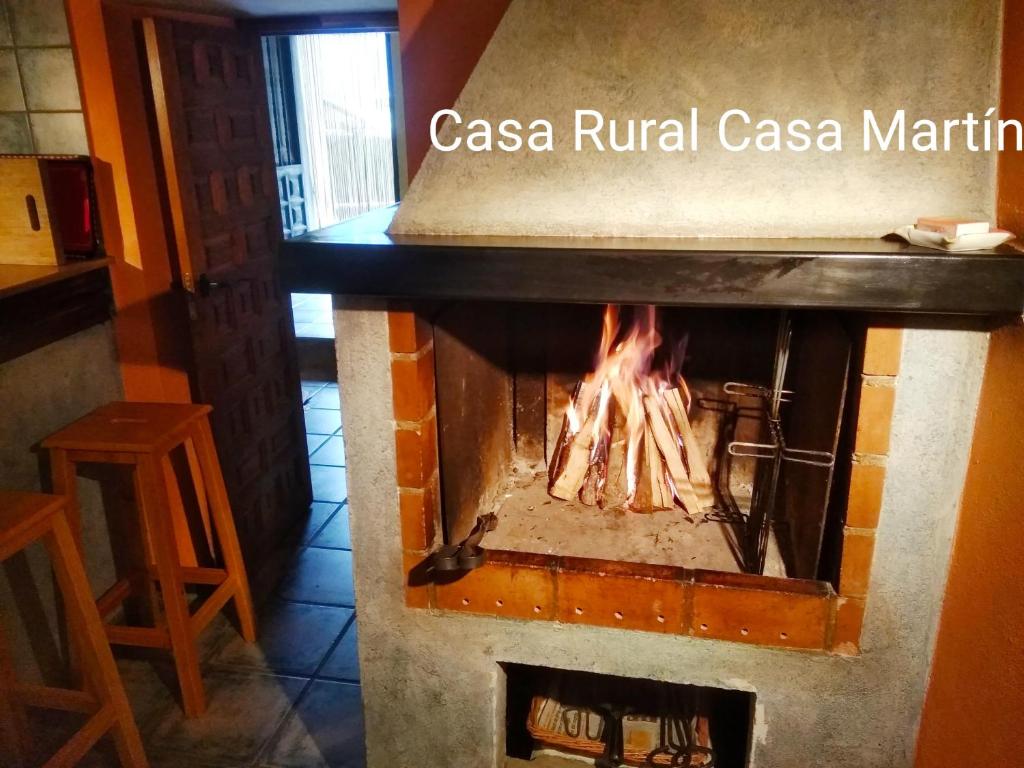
{"x": 359, "y": 257}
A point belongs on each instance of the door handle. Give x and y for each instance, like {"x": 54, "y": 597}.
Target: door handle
{"x": 205, "y": 286}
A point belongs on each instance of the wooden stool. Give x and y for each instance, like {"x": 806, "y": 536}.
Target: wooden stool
{"x": 143, "y": 435}
{"x": 24, "y": 519}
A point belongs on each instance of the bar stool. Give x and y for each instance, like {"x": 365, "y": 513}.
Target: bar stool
{"x": 143, "y": 435}
{"x": 24, "y": 519}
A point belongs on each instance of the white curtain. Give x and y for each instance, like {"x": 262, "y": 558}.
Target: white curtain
{"x": 343, "y": 96}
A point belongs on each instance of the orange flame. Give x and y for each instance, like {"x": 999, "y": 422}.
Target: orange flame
{"x": 623, "y": 373}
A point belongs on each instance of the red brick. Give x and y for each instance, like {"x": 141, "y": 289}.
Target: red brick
{"x": 418, "y": 507}
{"x": 882, "y": 351}
{"x": 416, "y": 595}
{"x": 407, "y": 331}
{"x": 865, "y": 500}
{"x": 874, "y": 418}
{"x": 855, "y": 569}
{"x": 416, "y": 453}
{"x": 789, "y": 619}
{"x": 624, "y": 595}
{"x": 512, "y": 584}
{"x": 412, "y": 386}
{"x": 849, "y": 621}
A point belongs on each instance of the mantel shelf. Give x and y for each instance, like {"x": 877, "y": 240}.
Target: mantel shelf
{"x": 359, "y": 257}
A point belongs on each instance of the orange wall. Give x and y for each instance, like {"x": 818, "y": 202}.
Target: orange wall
{"x": 1011, "y": 164}
{"x": 441, "y": 42}
{"x": 973, "y": 711}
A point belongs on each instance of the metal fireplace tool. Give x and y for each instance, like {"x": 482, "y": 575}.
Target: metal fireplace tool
{"x": 771, "y": 455}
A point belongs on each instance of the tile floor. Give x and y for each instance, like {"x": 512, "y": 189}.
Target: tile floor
{"x": 292, "y": 700}
{"x": 313, "y": 316}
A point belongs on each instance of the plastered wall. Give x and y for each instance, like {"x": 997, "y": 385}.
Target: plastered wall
{"x": 41, "y": 392}
{"x": 657, "y": 58}
{"x": 41, "y": 111}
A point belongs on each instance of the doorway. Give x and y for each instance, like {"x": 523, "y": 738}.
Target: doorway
{"x": 333, "y": 118}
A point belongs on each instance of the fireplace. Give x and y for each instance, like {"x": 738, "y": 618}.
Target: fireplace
{"x": 792, "y": 490}
{"x": 833, "y": 425}
{"x": 504, "y": 375}
{"x": 808, "y": 588}
{"x": 475, "y": 394}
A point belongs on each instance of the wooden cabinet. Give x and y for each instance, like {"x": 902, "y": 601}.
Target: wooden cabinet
{"x": 47, "y": 209}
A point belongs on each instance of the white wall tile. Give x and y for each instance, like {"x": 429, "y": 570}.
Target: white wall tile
{"x": 38, "y": 22}
{"x": 14, "y": 134}
{"x": 59, "y": 133}
{"x": 10, "y": 83}
{"x": 49, "y": 78}
{"x": 5, "y": 26}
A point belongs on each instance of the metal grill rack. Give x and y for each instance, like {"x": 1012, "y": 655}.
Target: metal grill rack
{"x": 756, "y": 525}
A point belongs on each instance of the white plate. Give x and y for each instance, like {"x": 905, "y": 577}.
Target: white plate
{"x": 940, "y": 242}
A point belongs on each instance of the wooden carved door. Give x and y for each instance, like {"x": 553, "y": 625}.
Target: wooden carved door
{"x": 210, "y": 106}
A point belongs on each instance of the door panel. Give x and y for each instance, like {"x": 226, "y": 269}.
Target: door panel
{"x": 211, "y": 115}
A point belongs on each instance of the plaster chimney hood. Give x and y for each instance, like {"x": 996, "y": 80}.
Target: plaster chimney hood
{"x": 708, "y": 228}
{"x": 361, "y": 258}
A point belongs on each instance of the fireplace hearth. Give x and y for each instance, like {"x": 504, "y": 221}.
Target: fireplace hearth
{"x": 505, "y": 377}
{"x": 812, "y": 649}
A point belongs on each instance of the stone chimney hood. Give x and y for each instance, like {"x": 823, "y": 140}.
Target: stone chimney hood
{"x": 707, "y": 227}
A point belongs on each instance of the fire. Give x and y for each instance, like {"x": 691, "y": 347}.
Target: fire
{"x": 626, "y": 437}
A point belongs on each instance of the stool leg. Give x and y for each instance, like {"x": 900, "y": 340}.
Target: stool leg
{"x": 74, "y": 586}
{"x": 63, "y": 478}
{"x": 183, "y": 538}
{"x": 156, "y": 510}
{"x": 147, "y": 587}
{"x": 13, "y": 723}
{"x": 220, "y": 509}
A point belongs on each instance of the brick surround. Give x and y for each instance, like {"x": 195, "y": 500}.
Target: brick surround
{"x": 788, "y": 613}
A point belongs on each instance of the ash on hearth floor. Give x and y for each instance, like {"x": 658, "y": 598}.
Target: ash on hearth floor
{"x": 292, "y": 700}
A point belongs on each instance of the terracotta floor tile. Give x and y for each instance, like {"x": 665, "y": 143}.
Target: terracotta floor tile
{"x": 320, "y": 576}
{"x": 326, "y": 398}
{"x": 335, "y": 535}
{"x": 320, "y": 512}
{"x": 330, "y": 453}
{"x": 329, "y": 483}
{"x": 293, "y": 639}
{"x": 321, "y": 422}
{"x": 326, "y": 730}
{"x": 313, "y": 442}
{"x": 310, "y": 388}
{"x": 343, "y": 663}
{"x": 244, "y": 710}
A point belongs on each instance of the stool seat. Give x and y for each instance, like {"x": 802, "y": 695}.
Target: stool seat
{"x": 20, "y": 514}
{"x": 128, "y": 427}
{"x": 24, "y": 519}
{"x": 156, "y": 440}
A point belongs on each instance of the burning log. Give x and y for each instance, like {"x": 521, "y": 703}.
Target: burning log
{"x": 626, "y": 437}
{"x": 697, "y": 468}
{"x": 572, "y": 459}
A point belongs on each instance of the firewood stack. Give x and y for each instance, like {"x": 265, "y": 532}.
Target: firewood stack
{"x": 626, "y": 438}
